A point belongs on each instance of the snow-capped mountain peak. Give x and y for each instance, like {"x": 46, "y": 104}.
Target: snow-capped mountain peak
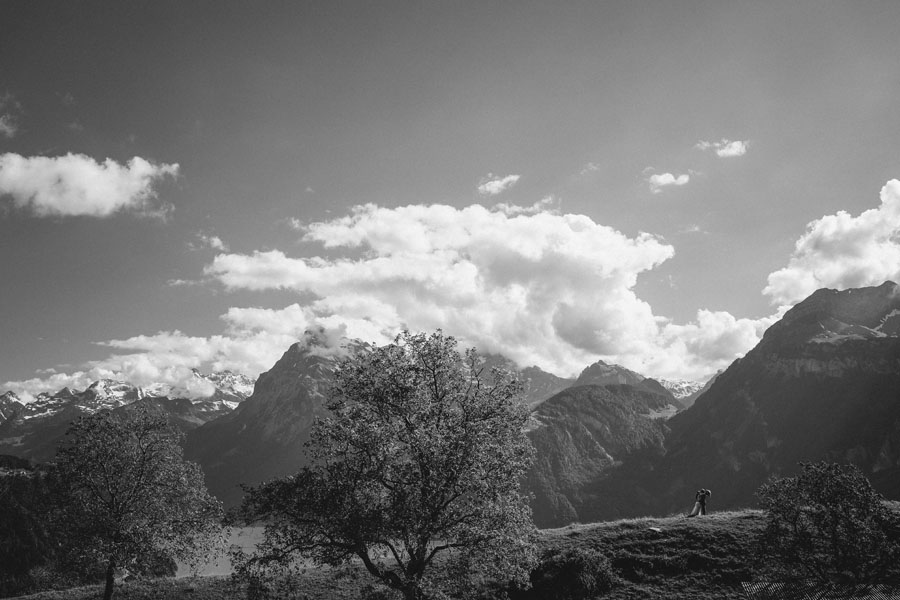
{"x": 682, "y": 388}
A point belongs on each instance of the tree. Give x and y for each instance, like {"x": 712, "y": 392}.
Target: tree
{"x": 24, "y": 540}
{"x": 420, "y": 460}
{"x": 125, "y": 497}
{"x": 828, "y": 525}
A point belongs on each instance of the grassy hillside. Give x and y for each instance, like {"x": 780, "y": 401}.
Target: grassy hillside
{"x": 673, "y": 558}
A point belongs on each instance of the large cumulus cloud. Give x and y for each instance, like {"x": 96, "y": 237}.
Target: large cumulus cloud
{"x": 842, "y": 251}
{"x": 556, "y": 290}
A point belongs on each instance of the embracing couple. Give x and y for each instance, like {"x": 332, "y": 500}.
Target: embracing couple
{"x": 700, "y": 502}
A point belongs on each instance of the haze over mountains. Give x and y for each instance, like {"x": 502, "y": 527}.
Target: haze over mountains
{"x": 823, "y": 384}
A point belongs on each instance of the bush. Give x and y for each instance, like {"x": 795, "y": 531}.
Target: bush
{"x": 828, "y": 525}
{"x": 572, "y": 574}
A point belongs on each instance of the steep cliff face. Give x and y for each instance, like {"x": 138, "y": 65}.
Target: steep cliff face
{"x": 10, "y": 405}
{"x": 823, "y": 384}
{"x": 264, "y": 437}
{"x": 583, "y": 435}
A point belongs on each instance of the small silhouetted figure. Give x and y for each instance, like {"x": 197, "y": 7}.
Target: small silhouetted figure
{"x": 700, "y": 502}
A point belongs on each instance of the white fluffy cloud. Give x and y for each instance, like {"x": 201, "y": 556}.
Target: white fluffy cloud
{"x": 543, "y": 288}
{"x": 493, "y": 184}
{"x": 658, "y": 181}
{"x": 76, "y": 184}
{"x": 725, "y": 148}
{"x": 841, "y": 251}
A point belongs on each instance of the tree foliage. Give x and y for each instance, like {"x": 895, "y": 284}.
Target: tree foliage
{"x": 24, "y": 539}
{"x": 827, "y": 524}
{"x": 419, "y": 461}
{"x": 126, "y": 498}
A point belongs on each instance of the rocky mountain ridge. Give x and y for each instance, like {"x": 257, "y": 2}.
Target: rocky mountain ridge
{"x": 822, "y": 384}
{"x": 582, "y": 435}
{"x": 33, "y": 429}
{"x": 265, "y": 436}
{"x": 682, "y": 388}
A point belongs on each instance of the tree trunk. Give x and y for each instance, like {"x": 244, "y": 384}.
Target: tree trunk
{"x": 110, "y": 579}
{"x": 413, "y": 592}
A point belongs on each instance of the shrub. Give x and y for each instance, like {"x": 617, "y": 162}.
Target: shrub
{"x": 828, "y": 525}
{"x": 572, "y": 574}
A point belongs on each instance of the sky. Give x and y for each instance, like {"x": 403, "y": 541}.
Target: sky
{"x": 195, "y": 184}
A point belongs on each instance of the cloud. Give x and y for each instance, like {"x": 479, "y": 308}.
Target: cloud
{"x": 715, "y": 337}
{"x": 590, "y": 168}
{"x": 556, "y": 290}
{"x": 658, "y": 181}
{"x": 841, "y": 251}
{"x": 493, "y": 184}
{"x": 547, "y": 204}
{"x": 8, "y": 126}
{"x": 77, "y": 185}
{"x": 205, "y": 240}
{"x": 9, "y": 115}
{"x": 183, "y": 282}
{"x": 724, "y": 148}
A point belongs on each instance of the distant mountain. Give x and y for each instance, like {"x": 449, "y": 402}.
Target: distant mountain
{"x": 10, "y": 405}
{"x": 682, "y": 389}
{"x": 689, "y": 400}
{"x": 537, "y": 384}
{"x": 583, "y": 434}
{"x": 822, "y": 384}
{"x": 264, "y": 436}
{"x": 601, "y": 373}
{"x": 33, "y": 430}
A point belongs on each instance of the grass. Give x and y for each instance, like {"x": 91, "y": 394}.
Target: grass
{"x": 311, "y": 584}
{"x": 674, "y": 558}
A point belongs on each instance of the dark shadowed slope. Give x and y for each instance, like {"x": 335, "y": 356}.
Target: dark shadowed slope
{"x": 583, "y": 434}
{"x": 823, "y": 384}
{"x": 264, "y": 437}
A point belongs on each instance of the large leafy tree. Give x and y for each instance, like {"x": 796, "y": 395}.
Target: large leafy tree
{"x": 126, "y": 498}
{"x": 827, "y": 525}
{"x": 418, "y": 464}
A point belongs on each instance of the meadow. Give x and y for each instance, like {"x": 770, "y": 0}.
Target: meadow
{"x": 671, "y": 557}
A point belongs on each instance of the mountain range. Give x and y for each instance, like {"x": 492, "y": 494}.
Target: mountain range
{"x": 822, "y": 384}
{"x": 33, "y": 430}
